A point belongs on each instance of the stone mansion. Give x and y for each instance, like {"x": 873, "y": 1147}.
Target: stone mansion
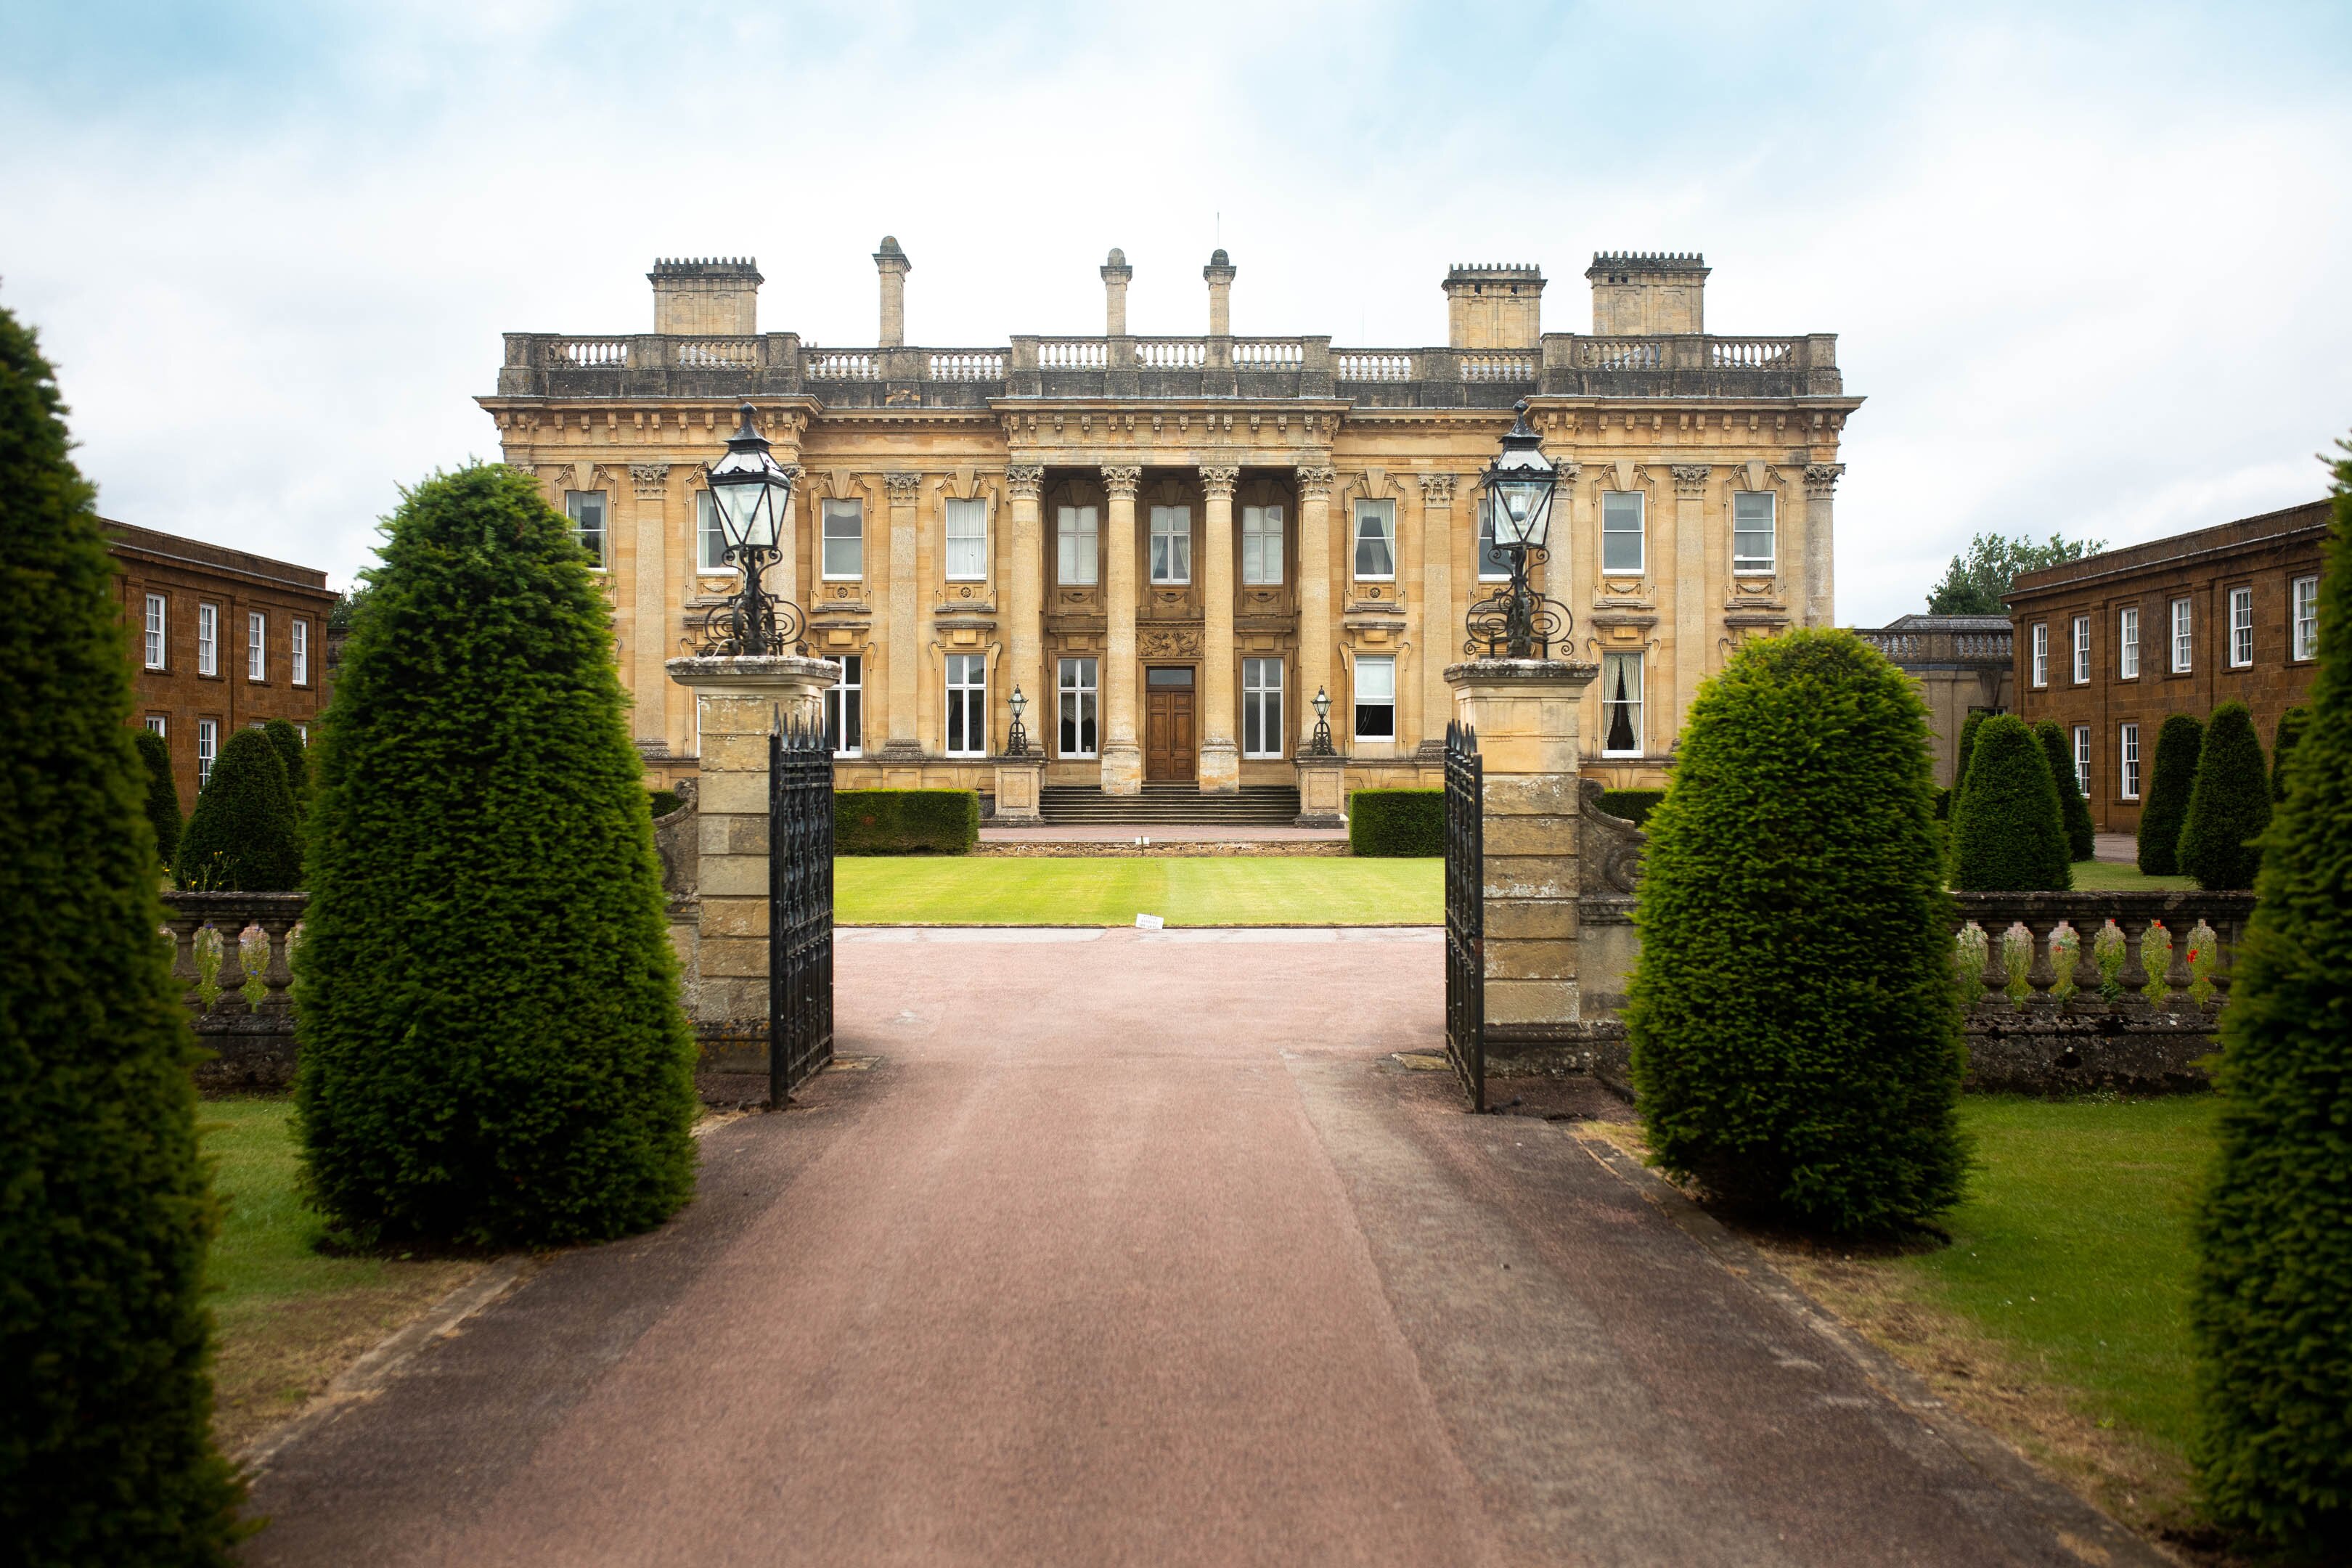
{"x": 1171, "y": 545}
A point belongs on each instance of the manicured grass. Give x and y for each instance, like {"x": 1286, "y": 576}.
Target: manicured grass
{"x": 1242, "y": 890}
{"x": 2112, "y": 877}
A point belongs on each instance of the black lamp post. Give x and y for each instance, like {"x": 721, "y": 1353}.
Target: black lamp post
{"x": 1320, "y": 746}
{"x": 1017, "y": 739}
{"x": 752, "y": 494}
{"x": 1515, "y": 621}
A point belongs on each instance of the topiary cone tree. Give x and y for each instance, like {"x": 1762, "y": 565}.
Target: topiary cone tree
{"x": 2273, "y": 1448}
{"x": 1795, "y": 1029}
{"x": 2009, "y": 833}
{"x": 2082, "y": 832}
{"x": 241, "y": 837}
{"x": 492, "y": 1051}
{"x": 105, "y": 1397}
{"x": 2228, "y": 803}
{"x": 163, "y": 794}
{"x": 2165, "y": 806}
{"x": 2290, "y": 731}
{"x": 1968, "y": 727}
{"x": 294, "y": 752}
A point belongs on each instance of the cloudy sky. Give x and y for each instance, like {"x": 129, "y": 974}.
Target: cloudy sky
{"x": 2088, "y": 263}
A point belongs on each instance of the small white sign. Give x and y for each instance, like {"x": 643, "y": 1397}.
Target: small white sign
{"x": 1149, "y": 923}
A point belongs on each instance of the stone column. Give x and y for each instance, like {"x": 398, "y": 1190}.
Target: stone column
{"x": 1025, "y": 590}
{"x": 740, "y": 702}
{"x": 1115, "y": 276}
{"x": 1122, "y": 755}
{"x": 1690, "y": 591}
{"x": 1438, "y": 636}
{"x": 649, "y": 625}
{"x": 1525, "y": 711}
{"x": 1221, "y": 753}
{"x": 1314, "y": 596}
{"x": 904, "y": 742}
{"x": 891, "y": 263}
{"x": 1820, "y": 540}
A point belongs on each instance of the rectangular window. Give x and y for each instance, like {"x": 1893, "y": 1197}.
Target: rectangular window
{"x": 967, "y": 540}
{"x": 2182, "y": 625}
{"x": 257, "y": 646}
{"x": 1376, "y": 698}
{"x": 208, "y": 748}
{"x": 207, "y": 640}
{"x": 2127, "y": 643}
{"x": 157, "y": 625}
{"x": 967, "y": 705}
{"x": 1262, "y": 545}
{"x": 1261, "y": 708}
{"x": 845, "y": 706}
{"x": 1171, "y": 544}
{"x": 298, "y": 645}
{"x": 2241, "y": 627}
{"x": 586, "y": 509}
{"x": 1751, "y": 531}
{"x": 1621, "y": 704}
{"x": 2131, "y": 762}
{"x": 709, "y": 539}
{"x": 1494, "y": 566}
{"x": 843, "y": 543}
{"x": 1074, "y": 547}
{"x": 2304, "y": 596}
{"x": 1621, "y": 531}
{"x": 1376, "y": 541}
{"x": 155, "y": 722}
{"x": 2041, "y": 653}
{"x": 2082, "y": 650}
{"x": 2083, "y": 759}
{"x": 1079, "y": 710}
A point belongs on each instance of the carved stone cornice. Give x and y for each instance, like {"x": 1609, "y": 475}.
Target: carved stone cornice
{"x": 1316, "y": 482}
{"x": 1218, "y": 480}
{"x": 1690, "y": 479}
{"x": 1024, "y": 480}
{"x": 904, "y": 488}
{"x": 650, "y": 480}
{"x": 1437, "y": 490}
{"x": 1823, "y": 477}
{"x": 1121, "y": 479}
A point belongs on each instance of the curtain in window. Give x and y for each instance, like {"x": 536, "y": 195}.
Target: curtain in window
{"x": 1075, "y": 536}
{"x": 1376, "y": 539}
{"x": 844, "y": 705}
{"x": 1262, "y": 707}
{"x": 845, "y": 538}
{"x": 1751, "y": 531}
{"x": 1171, "y": 544}
{"x": 1376, "y": 698}
{"x": 967, "y": 705}
{"x": 967, "y": 540}
{"x": 1492, "y": 562}
{"x": 1262, "y": 544}
{"x": 710, "y": 539}
{"x": 1621, "y": 531}
{"x": 1077, "y": 707}
{"x": 1620, "y": 703}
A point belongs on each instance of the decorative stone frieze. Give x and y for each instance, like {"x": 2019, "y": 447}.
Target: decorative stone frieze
{"x": 1315, "y": 481}
{"x": 1217, "y": 480}
{"x": 1121, "y": 479}
{"x": 1690, "y": 479}
{"x": 1436, "y": 489}
{"x": 1821, "y": 478}
{"x": 904, "y": 488}
{"x": 649, "y": 479}
{"x": 1024, "y": 480}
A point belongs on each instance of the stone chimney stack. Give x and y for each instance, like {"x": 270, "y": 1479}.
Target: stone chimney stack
{"x": 1497, "y": 307}
{"x": 892, "y": 263}
{"x": 1643, "y": 296}
{"x": 1219, "y": 274}
{"x": 716, "y": 296}
{"x": 1116, "y": 275}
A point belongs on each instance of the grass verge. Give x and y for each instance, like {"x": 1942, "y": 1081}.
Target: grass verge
{"x": 2109, "y": 877}
{"x": 1243, "y": 890}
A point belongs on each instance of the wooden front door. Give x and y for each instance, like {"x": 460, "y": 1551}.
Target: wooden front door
{"x": 1169, "y": 748}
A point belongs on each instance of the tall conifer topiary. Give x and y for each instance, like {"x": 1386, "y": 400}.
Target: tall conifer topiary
{"x": 1968, "y": 727}
{"x": 241, "y": 837}
{"x": 2082, "y": 832}
{"x": 2165, "y": 806}
{"x": 2273, "y": 1449}
{"x": 163, "y": 794}
{"x": 105, "y": 1398}
{"x": 2009, "y": 833}
{"x": 292, "y": 752}
{"x": 1796, "y": 1031}
{"x": 2290, "y": 731}
{"x": 2229, "y": 803}
{"x": 492, "y": 1047}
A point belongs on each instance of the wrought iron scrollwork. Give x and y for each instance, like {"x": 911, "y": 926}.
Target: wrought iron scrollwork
{"x": 1515, "y": 621}
{"x": 750, "y": 622}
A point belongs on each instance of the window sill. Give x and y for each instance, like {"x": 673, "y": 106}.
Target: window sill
{"x": 1748, "y": 571}
{"x": 963, "y": 579}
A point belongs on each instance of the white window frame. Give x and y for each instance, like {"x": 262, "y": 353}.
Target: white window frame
{"x": 207, "y": 640}
{"x": 1262, "y": 713}
{"x": 967, "y": 706}
{"x": 1752, "y": 566}
{"x": 963, "y": 539}
{"x": 208, "y": 749}
{"x": 256, "y": 646}
{"x": 1639, "y": 532}
{"x": 1384, "y": 666}
{"x": 1078, "y": 706}
{"x": 709, "y": 537}
{"x": 2128, "y": 751}
{"x": 298, "y": 651}
{"x": 1262, "y": 547}
{"x": 1172, "y": 525}
{"x": 2081, "y": 634}
{"x": 2040, "y": 674}
{"x": 2184, "y": 636}
{"x": 1494, "y": 566}
{"x": 846, "y": 693}
{"x": 572, "y": 503}
{"x": 1381, "y": 515}
{"x": 2127, "y": 643}
{"x": 157, "y": 629}
{"x": 850, "y": 543}
{"x": 2302, "y": 604}
{"x": 156, "y": 722}
{"x": 2241, "y": 627}
{"x": 1614, "y": 667}
{"x": 1077, "y": 552}
{"x": 2082, "y": 760}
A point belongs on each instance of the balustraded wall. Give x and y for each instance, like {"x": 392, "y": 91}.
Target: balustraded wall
{"x": 245, "y": 1015}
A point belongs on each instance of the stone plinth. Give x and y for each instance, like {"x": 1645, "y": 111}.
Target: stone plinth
{"x": 1322, "y": 792}
{"x": 1017, "y": 780}
{"x": 1525, "y": 710}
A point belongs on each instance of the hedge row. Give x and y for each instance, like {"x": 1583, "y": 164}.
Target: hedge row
{"x": 1633, "y": 805}
{"x": 1396, "y": 822}
{"x": 905, "y": 821}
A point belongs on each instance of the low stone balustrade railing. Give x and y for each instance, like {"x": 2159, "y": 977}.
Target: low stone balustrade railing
{"x": 230, "y": 952}
{"x": 2090, "y": 951}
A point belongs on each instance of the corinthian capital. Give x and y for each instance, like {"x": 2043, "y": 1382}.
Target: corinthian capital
{"x": 1690, "y": 479}
{"x": 1315, "y": 483}
{"x": 1823, "y": 477}
{"x": 1437, "y": 490}
{"x": 1024, "y": 480}
{"x": 1121, "y": 479}
{"x": 903, "y": 488}
{"x": 1218, "y": 480}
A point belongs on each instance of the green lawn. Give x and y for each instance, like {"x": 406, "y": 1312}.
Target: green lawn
{"x": 1242, "y": 890}
{"x": 2108, "y": 877}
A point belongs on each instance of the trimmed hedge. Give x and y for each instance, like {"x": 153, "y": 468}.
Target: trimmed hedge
{"x": 162, "y": 793}
{"x": 242, "y": 836}
{"x": 492, "y": 1052}
{"x": 295, "y": 752}
{"x": 1633, "y": 805}
{"x": 1796, "y": 1034}
{"x": 2166, "y": 806}
{"x": 2009, "y": 834}
{"x": 106, "y": 1397}
{"x": 664, "y": 802}
{"x": 2229, "y": 803}
{"x": 1396, "y": 823}
{"x": 2082, "y": 832}
{"x": 1968, "y": 727}
{"x": 905, "y": 821}
{"x": 2290, "y": 731}
{"x": 2273, "y": 1448}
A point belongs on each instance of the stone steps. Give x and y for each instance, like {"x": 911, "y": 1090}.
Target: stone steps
{"x": 1266, "y": 806}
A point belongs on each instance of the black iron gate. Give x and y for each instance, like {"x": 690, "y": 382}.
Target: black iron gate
{"x": 800, "y": 905}
{"x": 1465, "y": 913}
